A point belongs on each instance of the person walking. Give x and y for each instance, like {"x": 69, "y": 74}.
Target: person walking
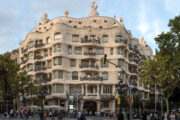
{"x": 120, "y": 116}
{"x": 172, "y": 116}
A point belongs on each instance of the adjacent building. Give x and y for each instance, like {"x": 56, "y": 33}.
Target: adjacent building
{"x": 64, "y": 56}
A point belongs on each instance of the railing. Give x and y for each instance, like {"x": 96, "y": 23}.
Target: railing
{"x": 38, "y": 57}
{"x": 121, "y": 41}
{"x": 96, "y": 78}
{"x": 90, "y": 53}
{"x": 90, "y": 41}
{"x": 24, "y": 61}
{"x": 133, "y": 71}
{"x": 91, "y": 94}
{"x": 88, "y": 66}
{"x": 40, "y": 68}
{"x": 24, "y": 50}
{"x": 45, "y": 80}
{"x": 38, "y": 45}
{"x": 133, "y": 60}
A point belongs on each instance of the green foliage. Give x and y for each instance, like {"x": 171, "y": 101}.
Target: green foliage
{"x": 138, "y": 103}
{"x": 18, "y": 81}
{"x": 164, "y": 69}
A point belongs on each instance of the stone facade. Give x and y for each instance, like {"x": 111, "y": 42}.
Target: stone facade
{"x": 64, "y": 56}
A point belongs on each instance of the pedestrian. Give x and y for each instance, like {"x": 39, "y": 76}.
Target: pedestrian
{"x": 60, "y": 116}
{"x": 165, "y": 116}
{"x": 120, "y": 116}
{"x": 172, "y": 116}
{"x": 82, "y": 117}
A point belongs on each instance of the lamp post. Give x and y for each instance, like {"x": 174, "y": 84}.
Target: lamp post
{"x": 121, "y": 87}
{"x": 42, "y": 95}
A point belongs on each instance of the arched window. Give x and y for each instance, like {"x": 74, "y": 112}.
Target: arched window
{"x": 57, "y": 36}
{"x": 48, "y": 40}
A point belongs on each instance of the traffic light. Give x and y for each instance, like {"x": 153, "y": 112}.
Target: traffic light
{"x": 104, "y": 59}
{"x": 119, "y": 101}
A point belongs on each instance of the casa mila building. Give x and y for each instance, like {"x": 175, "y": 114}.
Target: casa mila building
{"x": 64, "y": 55}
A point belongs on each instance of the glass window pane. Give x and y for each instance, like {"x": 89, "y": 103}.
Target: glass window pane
{"x": 105, "y": 39}
{"x": 100, "y": 51}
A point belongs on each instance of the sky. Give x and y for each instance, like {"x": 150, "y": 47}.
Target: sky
{"x": 146, "y": 18}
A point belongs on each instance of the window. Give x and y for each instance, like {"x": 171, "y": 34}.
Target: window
{"x": 75, "y": 38}
{"x": 74, "y": 75}
{"x": 120, "y": 50}
{"x": 50, "y": 52}
{"x": 30, "y": 67}
{"x": 111, "y": 51}
{"x": 48, "y": 40}
{"x": 30, "y": 55}
{"x": 118, "y": 39}
{"x": 57, "y": 48}
{"x": 73, "y": 63}
{"x": 78, "y": 51}
{"x": 31, "y": 44}
{"x": 105, "y": 103}
{"x": 57, "y": 36}
{"x": 107, "y": 89}
{"x": 120, "y": 75}
{"x": 57, "y": 61}
{"x": 100, "y": 51}
{"x": 121, "y": 62}
{"x": 92, "y": 37}
{"x": 58, "y": 75}
{"x": 49, "y": 64}
{"x": 45, "y": 53}
{"x": 105, "y": 76}
{"x": 104, "y": 65}
{"x": 69, "y": 50}
{"x": 105, "y": 39}
{"x": 57, "y": 88}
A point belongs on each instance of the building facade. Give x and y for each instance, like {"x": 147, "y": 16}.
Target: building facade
{"x": 64, "y": 56}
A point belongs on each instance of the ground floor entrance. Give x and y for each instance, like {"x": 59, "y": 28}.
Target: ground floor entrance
{"x": 90, "y": 107}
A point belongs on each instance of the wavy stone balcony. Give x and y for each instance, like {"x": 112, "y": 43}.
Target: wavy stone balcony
{"x": 95, "y": 78}
{"x": 24, "y": 61}
{"x": 90, "y": 53}
{"x": 133, "y": 60}
{"x": 89, "y": 66}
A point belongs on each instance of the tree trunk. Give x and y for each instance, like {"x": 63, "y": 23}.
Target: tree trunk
{"x": 167, "y": 105}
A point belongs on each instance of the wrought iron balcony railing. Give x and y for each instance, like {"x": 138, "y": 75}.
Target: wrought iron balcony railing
{"x": 39, "y": 45}
{"x": 90, "y": 41}
{"x": 38, "y": 57}
{"x": 40, "y": 68}
{"x": 95, "y": 78}
{"x": 90, "y": 53}
{"x": 89, "y": 66}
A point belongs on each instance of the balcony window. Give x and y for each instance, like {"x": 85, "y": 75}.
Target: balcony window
{"x": 105, "y": 39}
{"x": 48, "y": 40}
{"x": 57, "y": 48}
{"x": 92, "y": 37}
{"x": 111, "y": 51}
{"x": 107, "y": 89}
{"x": 57, "y": 61}
{"x": 57, "y": 36}
{"x": 120, "y": 50}
{"x": 58, "y": 75}
{"x": 75, "y": 38}
{"x": 30, "y": 67}
{"x": 30, "y": 55}
{"x": 104, "y": 76}
{"x": 121, "y": 62}
{"x": 78, "y": 51}
{"x": 58, "y": 88}
{"x": 73, "y": 63}
{"x": 45, "y": 53}
{"x": 120, "y": 75}
{"x": 118, "y": 39}
{"x": 100, "y": 51}
{"x": 75, "y": 75}
{"x": 50, "y": 51}
{"x": 105, "y": 104}
{"x": 69, "y": 50}
{"x": 49, "y": 64}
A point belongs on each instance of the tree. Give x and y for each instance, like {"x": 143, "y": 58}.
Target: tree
{"x": 164, "y": 69}
{"x": 12, "y": 80}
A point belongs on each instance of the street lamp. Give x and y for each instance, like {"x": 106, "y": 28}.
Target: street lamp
{"x": 121, "y": 87}
{"x": 42, "y": 95}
